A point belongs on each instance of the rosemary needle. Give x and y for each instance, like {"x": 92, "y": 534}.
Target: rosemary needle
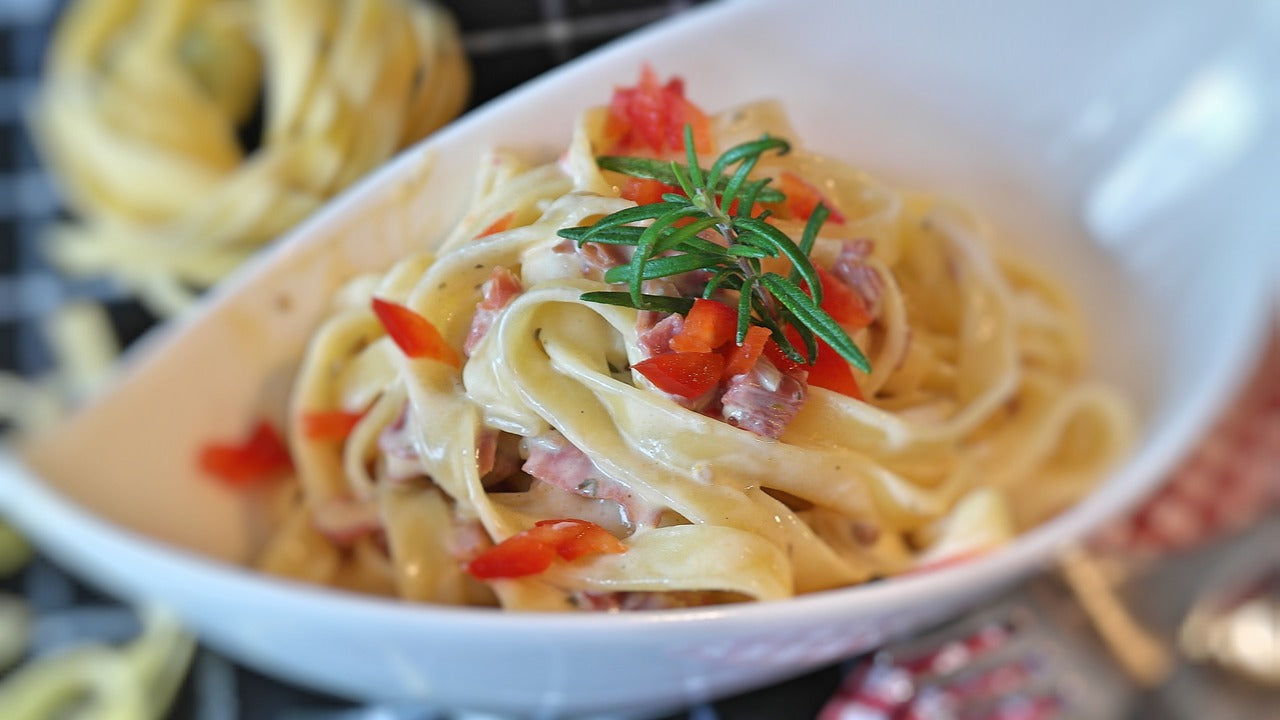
{"x": 721, "y": 199}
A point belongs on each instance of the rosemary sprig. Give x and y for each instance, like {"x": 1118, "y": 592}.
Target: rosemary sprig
{"x": 720, "y": 198}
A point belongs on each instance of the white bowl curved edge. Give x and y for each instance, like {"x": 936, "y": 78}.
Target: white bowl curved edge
{"x": 998, "y": 126}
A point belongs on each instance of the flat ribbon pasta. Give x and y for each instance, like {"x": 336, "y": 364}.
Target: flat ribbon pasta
{"x": 975, "y": 423}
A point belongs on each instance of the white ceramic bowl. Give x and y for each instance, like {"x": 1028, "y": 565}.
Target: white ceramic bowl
{"x": 1124, "y": 145}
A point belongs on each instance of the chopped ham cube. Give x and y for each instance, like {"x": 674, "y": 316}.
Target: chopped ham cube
{"x": 468, "y": 539}
{"x": 396, "y": 445}
{"x": 344, "y": 520}
{"x": 559, "y": 463}
{"x": 486, "y": 450}
{"x": 852, "y": 268}
{"x": 596, "y": 258}
{"x": 657, "y": 339}
{"x": 497, "y": 457}
{"x": 763, "y": 400}
{"x": 499, "y": 290}
{"x": 646, "y": 319}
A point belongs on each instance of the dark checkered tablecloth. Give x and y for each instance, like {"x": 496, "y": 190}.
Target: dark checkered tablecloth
{"x": 508, "y": 42}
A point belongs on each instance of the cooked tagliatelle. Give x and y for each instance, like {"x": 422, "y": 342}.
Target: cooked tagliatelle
{"x": 469, "y": 429}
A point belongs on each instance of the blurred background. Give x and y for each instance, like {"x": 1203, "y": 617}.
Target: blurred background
{"x": 1171, "y": 614}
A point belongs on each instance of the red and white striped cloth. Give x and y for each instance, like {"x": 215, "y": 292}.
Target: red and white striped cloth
{"x": 1229, "y": 481}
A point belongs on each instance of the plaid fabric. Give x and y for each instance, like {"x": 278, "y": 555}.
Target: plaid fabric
{"x": 28, "y": 289}
{"x": 1228, "y": 483}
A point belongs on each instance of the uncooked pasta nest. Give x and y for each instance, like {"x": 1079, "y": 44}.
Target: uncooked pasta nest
{"x": 145, "y": 105}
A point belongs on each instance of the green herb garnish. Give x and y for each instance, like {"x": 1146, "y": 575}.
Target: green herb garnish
{"x": 708, "y": 201}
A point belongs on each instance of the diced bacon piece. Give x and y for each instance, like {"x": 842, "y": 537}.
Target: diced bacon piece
{"x": 763, "y": 400}
{"x": 499, "y": 290}
{"x": 344, "y": 520}
{"x": 599, "y": 258}
{"x": 396, "y": 445}
{"x": 486, "y": 450}
{"x": 657, "y": 339}
{"x": 559, "y": 463}
{"x": 646, "y": 319}
{"x": 497, "y": 458}
{"x": 468, "y": 540}
{"x": 852, "y": 268}
{"x": 691, "y": 284}
{"x": 596, "y": 258}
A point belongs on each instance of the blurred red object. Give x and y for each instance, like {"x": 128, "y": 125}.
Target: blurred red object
{"x": 1227, "y": 483}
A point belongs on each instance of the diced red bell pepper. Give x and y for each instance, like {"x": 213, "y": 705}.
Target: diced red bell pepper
{"x": 499, "y": 225}
{"x": 832, "y": 372}
{"x": 532, "y": 551}
{"x": 743, "y": 357}
{"x": 829, "y": 371}
{"x": 844, "y": 304}
{"x": 262, "y": 456}
{"x": 573, "y": 538}
{"x": 684, "y": 374}
{"x": 756, "y": 208}
{"x": 646, "y": 191}
{"x": 803, "y": 198}
{"x": 779, "y": 358}
{"x": 707, "y": 326}
{"x": 651, "y": 117}
{"x": 517, "y": 556}
{"x": 329, "y": 425}
{"x": 414, "y": 334}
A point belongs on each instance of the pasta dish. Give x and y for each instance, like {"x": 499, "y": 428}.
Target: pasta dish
{"x": 686, "y": 362}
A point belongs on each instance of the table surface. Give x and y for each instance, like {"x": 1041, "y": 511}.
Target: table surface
{"x": 508, "y": 42}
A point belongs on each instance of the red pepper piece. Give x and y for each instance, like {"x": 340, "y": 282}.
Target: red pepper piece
{"x": 574, "y": 538}
{"x": 645, "y": 191}
{"x": 685, "y": 374}
{"x": 829, "y": 371}
{"x": 499, "y": 225}
{"x": 651, "y": 117}
{"x": 414, "y": 334}
{"x": 803, "y": 198}
{"x": 517, "y": 556}
{"x": 532, "y": 551}
{"x": 844, "y": 304}
{"x": 707, "y": 326}
{"x": 262, "y": 456}
{"x": 743, "y": 357}
{"x": 329, "y": 425}
{"x": 832, "y": 372}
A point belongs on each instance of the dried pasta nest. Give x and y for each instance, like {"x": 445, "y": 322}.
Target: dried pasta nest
{"x": 146, "y": 104}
